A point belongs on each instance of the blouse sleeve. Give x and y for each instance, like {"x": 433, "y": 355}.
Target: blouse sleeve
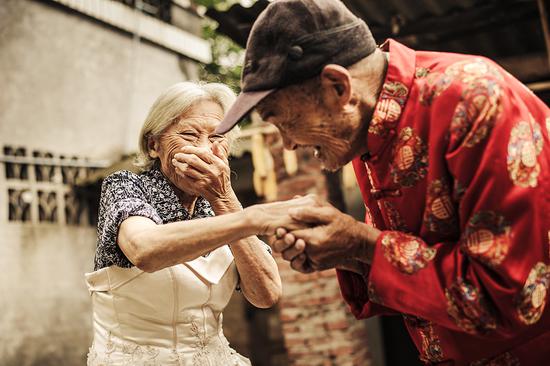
{"x": 122, "y": 196}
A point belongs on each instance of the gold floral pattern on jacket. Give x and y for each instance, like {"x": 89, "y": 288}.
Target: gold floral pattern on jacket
{"x": 458, "y": 191}
{"x": 410, "y": 158}
{"x": 476, "y": 113}
{"x": 406, "y": 252}
{"x": 435, "y": 83}
{"x": 469, "y": 71}
{"x": 421, "y": 72}
{"x": 440, "y": 212}
{"x": 394, "y": 218}
{"x": 431, "y": 350}
{"x": 467, "y": 307}
{"x": 487, "y": 237}
{"x": 389, "y": 107}
{"x": 524, "y": 147}
{"x": 505, "y": 359}
{"x": 531, "y": 302}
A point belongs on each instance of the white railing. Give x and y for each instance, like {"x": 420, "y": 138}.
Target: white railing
{"x": 39, "y": 188}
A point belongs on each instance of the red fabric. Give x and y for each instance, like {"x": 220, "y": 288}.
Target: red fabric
{"x": 457, "y": 178}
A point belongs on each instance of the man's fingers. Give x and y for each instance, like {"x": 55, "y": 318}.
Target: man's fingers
{"x": 312, "y": 215}
{"x": 307, "y": 235}
{"x": 280, "y": 246}
{"x": 294, "y": 250}
{"x": 289, "y": 238}
{"x": 300, "y": 264}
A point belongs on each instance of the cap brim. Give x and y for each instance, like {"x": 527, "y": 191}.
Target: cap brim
{"x": 244, "y": 104}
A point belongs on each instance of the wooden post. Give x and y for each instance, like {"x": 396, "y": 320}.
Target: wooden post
{"x": 543, "y": 11}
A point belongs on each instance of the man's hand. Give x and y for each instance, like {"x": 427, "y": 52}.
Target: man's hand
{"x": 292, "y": 250}
{"x": 335, "y": 240}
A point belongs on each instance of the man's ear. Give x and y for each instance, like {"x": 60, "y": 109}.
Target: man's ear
{"x": 336, "y": 85}
{"x": 153, "y": 147}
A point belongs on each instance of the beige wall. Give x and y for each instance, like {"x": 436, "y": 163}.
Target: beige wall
{"x": 69, "y": 85}
{"x": 74, "y": 86}
{"x": 45, "y": 309}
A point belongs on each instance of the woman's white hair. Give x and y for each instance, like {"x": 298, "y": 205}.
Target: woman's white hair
{"x": 171, "y": 105}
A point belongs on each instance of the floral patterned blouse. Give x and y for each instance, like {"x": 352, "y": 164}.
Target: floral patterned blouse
{"x": 125, "y": 194}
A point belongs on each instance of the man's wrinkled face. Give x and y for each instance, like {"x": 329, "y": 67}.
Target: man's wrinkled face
{"x": 305, "y": 121}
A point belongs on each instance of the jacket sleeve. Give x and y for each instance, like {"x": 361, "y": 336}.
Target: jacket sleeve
{"x": 357, "y": 290}
{"x": 493, "y": 280}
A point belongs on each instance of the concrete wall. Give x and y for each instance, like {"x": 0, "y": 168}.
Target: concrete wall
{"x": 45, "y": 308}
{"x": 71, "y": 86}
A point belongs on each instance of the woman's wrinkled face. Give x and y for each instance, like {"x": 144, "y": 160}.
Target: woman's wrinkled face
{"x": 195, "y": 128}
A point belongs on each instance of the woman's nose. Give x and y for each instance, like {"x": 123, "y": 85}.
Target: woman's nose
{"x": 204, "y": 142}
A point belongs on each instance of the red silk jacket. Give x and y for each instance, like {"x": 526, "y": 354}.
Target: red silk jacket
{"x": 457, "y": 178}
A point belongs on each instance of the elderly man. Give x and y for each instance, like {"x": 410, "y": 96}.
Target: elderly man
{"x": 452, "y": 157}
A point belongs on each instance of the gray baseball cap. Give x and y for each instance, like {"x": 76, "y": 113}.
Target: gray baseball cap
{"x": 290, "y": 42}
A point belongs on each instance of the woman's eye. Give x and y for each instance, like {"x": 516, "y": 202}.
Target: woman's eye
{"x": 189, "y": 135}
{"x": 217, "y": 137}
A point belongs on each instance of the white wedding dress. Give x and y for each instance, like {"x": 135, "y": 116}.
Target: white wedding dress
{"x": 169, "y": 317}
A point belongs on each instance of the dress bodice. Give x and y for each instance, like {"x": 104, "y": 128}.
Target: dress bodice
{"x": 168, "y": 317}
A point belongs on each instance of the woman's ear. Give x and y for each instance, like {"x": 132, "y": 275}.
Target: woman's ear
{"x": 336, "y": 85}
{"x": 153, "y": 147}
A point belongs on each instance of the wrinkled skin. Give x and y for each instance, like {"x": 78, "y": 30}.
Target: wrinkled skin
{"x": 193, "y": 157}
{"x": 334, "y": 240}
{"x": 305, "y": 121}
{"x": 331, "y": 114}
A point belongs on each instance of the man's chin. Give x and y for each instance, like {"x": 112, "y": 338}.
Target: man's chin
{"x": 331, "y": 166}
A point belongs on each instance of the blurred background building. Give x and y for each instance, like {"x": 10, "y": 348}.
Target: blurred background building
{"x": 77, "y": 78}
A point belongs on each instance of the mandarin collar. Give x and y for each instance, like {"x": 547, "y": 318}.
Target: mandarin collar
{"x": 392, "y": 99}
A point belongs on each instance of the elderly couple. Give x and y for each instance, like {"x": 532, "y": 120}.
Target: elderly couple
{"x": 451, "y": 154}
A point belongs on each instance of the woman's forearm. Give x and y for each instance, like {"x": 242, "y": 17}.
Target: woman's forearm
{"x": 260, "y": 281}
{"x": 152, "y": 247}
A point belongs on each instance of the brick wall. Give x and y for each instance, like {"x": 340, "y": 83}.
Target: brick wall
{"x": 317, "y": 326}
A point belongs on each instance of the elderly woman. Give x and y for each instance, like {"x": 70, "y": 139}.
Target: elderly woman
{"x": 174, "y": 241}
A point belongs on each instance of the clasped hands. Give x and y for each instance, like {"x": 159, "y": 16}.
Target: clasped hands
{"x": 309, "y": 233}
{"x": 326, "y": 239}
